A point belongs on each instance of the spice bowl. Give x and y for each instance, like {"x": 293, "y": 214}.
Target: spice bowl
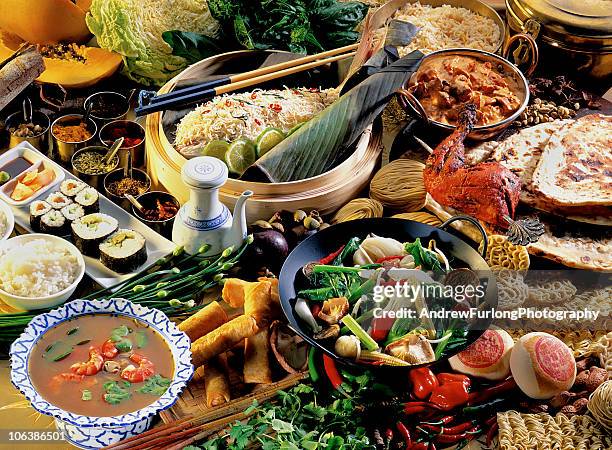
{"x": 63, "y": 148}
{"x": 39, "y": 138}
{"x": 151, "y": 201}
{"x": 134, "y": 140}
{"x": 115, "y": 190}
{"x": 84, "y": 167}
{"x": 107, "y": 106}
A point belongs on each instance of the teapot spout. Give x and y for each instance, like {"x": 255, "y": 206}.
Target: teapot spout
{"x": 239, "y": 225}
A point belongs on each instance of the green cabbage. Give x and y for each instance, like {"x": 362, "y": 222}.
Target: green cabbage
{"x": 133, "y": 28}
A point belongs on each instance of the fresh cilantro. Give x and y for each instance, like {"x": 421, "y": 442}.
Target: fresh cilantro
{"x": 156, "y": 385}
{"x": 118, "y": 333}
{"x": 115, "y": 394}
{"x": 124, "y": 345}
{"x": 86, "y": 395}
{"x": 141, "y": 339}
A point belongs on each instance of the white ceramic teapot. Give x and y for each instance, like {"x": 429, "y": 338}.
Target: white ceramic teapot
{"x": 204, "y": 219}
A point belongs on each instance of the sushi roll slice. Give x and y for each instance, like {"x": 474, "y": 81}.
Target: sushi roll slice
{"x": 89, "y": 199}
{"x": 72, "y": 212}
{"x": 57, "y": 200}
{"x": 90, "y": 230}
{"x": 38, "y": 209}
{"x": 53, "y": 223}
{"x": 123, "y": 251}
{"x": 70, "y": 188}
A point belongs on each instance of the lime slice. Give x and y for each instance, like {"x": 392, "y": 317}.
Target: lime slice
{"x": 240, "y": 155}
{"x": 217, "y": 149}
{"x": 268, "y": 139}
{"x": 295, "y": 128}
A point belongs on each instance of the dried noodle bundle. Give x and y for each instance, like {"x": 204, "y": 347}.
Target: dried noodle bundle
{"x": 420, "y": 216}
{"x": 511, "y": 289}
{"x": 502, "y": 254}
{"x": 600, "y": 404}
{"x": 542, "y": 431}
{"x": 399, "y": 185}
{"x": 359, "y": 208}
{"x": 558, "y": 292}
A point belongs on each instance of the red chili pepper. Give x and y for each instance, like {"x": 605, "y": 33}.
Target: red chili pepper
{"x": 443, "y": 421}
{"x": 388, "y": 438}
{"x": 253, "y": 96}
{"x": 492, "y": 391}
{"x": 404, "y": 433}
{"x": 417, "y": 407}
{"x": 431, "y": 446}
{"x": 491, "y": 434}
{"x": 315, "y": 309}
{"x": 332, "y": 372}
{"x": 449, "y": 395}
{"x": 456, "y": 429}
{"x": 387, "y": 258}
{"x": 419, "y": 446}
{"x": 228, "y": 103}
{"x": 380, "y": 327}
{"x": 444, "y": 378}
{"x": 276, "y": 107}
{"x": 423, "y": 382}
{"x": 258, "y": 122}
{"x": 454, "y": 438}
{"x": 329, "y": 258}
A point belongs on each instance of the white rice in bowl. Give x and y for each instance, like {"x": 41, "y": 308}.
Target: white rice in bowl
{"x": 39, "y": 268}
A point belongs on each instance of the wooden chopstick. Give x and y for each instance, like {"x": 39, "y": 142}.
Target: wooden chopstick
{"x": 207, "y": 94}
{"x": 252, "y": 73}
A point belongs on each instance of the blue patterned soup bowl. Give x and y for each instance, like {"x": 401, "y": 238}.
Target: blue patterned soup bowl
{"x": 103, "y": 369}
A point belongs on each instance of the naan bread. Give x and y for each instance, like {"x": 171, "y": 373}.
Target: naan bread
{"x": 575, "y": 168}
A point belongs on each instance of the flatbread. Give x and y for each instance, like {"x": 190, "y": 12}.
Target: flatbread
{"x": 521, "y": 153}
{"x": 575, "y": 168}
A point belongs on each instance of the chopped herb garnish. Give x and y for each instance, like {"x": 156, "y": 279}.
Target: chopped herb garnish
{"x": 124, "y": 345}
{"x": 72, "y": 331}
{"x": 58, "y": 351}
{"x": 141, "y": 339}
{"x": 156, "y": 385}
{"x": 115, "y": 394}
{"x": 119, "y": 333}
{"x": 83, "y": 342}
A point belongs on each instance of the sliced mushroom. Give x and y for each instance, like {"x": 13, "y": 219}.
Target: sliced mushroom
{"x": 334, "y": 309}
{"x": 112, "y": 366}
{"x": 289, "y": 349}
{"x": 412, "y": 348}
{"x": 333, "y": 331}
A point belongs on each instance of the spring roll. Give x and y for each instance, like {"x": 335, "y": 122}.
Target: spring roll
{"x": 204, "y": 321}
{"x": 216, "y": 382}
{"x": 222, "y": 339}
{"x": 233, "y": 291}
{"x": 257, "y": 358}
{"x": 258, "y": 302}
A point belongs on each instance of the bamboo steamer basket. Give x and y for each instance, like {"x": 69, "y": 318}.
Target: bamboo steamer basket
{"x": 326, "y": 192}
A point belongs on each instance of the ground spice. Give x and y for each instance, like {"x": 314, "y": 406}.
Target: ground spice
{"x": 127, "y": 186}
{"x": 124, "y": 132}
{"x": 93, "y": 163}
{"x": 72, "y": 133}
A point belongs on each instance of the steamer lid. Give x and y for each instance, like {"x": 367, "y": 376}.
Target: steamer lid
{"x": 204, "y": 172}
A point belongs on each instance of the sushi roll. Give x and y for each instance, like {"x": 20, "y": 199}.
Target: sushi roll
{"x": 123, "y": 251}
{"x": 38, "y": 209}
{"x": 53, "y": 223}
{"x": 90, "y": 230}
{"x": 89, "y": 199}
{"x": 70, "y": 188}
{"x": 72, "y": 212}
{"x": 57, "y": 200}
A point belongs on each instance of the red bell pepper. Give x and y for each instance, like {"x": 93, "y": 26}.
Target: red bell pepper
{"x": 450, "y": 395}
{"x": 423, "y": 382}
{"x": 444, "y": 378}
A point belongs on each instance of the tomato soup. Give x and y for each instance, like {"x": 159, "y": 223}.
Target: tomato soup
{"x": 101, "y": 365}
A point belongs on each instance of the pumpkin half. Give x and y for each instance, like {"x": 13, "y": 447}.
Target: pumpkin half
{"x": 46, "y": 21}
{"x": 95, "y": 64}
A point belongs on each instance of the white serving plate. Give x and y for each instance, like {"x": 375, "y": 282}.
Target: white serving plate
{"x": 7, "y": 213}
{"x": 157, "y": 245}
{"x": 37, "y": 159}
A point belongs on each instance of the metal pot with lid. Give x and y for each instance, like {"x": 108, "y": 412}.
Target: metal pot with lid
{"x": 580, "y": 30}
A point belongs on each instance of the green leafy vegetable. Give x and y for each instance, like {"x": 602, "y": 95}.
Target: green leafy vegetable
{"x": 156, "y": 385}
{"x": 193, "y": 47}
{"x": 72, "y": 331}
{"x": 119, "y": 333}
{"x": 58, "y": 350}
{"x": 349, "y": 249}
{"x": 326, "y": 140}
{"x": 124, "y": 345}
{"x": 86, "y": 395}
{"x": 423, "y": 257}
{"x": 115, "y": 393}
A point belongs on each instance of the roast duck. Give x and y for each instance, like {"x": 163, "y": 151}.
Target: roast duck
{"x": 488, "y": 191}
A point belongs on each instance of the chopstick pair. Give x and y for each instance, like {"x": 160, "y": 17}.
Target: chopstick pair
{"x": 207, "y": 90}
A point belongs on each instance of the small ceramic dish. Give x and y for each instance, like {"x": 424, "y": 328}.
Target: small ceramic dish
{"x": 49, "y": 301}
{"x": 7, "y": 221}
{"x": 39, "y": 162}
{"x": 97, "y": 432}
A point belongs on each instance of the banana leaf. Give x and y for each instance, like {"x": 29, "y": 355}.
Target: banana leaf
{"x": 325, "y": 141}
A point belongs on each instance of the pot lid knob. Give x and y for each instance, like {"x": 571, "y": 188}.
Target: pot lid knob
{"x": 204, "y": 172}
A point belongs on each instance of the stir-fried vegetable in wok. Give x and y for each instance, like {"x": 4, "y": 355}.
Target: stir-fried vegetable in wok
{"x": 371, "y": 301}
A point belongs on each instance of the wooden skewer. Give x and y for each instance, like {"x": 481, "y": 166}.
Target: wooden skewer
{"x": 207, "y": 94}
{"x": 253, "y": 73}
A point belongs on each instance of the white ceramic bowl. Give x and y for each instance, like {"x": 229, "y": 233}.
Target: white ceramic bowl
{"x": 7, "y": 218}
{"x": 32, "y": 303}
{"x": 97, "y": 432}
